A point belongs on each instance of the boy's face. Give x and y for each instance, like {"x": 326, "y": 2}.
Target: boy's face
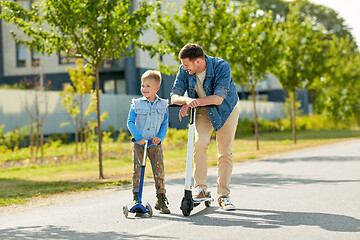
{"x": 149, "y": 88}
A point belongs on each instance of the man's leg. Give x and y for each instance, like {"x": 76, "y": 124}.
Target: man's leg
{"x": 225, "y": 141}
{"x": 203, "y": 130}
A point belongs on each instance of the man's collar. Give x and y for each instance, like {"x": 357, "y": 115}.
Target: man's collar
{"x": 209, "y": 67}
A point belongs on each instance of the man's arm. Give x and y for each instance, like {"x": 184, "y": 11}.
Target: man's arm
{"x": 196, "y": 102}
{"x": 187, "y": 102}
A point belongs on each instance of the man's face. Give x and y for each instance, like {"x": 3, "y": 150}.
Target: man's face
{"x": 190, "y": 66}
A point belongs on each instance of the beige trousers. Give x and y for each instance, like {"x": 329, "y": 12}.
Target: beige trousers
{"x": 225, "y": 141}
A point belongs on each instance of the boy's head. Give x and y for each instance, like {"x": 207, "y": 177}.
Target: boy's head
{"x": 192, "y": 58}
{"x": 150, "y": 84}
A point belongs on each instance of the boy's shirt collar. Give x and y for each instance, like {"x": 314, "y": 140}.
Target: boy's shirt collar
{"x": 145, "y": 99}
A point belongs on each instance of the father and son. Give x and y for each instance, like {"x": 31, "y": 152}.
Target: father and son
{"x": 207, "y": 81}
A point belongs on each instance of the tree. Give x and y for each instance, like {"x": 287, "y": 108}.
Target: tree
{"x": 188, "y": 24}
{"x": 254, "y": 42}
{"x": 320, "y": 14}
{"x": 302, "y": 56}
{"x": 74, "y": 100}
{"x": 239, "y": 33}
{"x": 96, "y": 30}
{"x": 340, "y": 84}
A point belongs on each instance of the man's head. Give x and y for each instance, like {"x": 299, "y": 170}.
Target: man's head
{"x": 150, "y": 83}
{"x": 193, "y": 58}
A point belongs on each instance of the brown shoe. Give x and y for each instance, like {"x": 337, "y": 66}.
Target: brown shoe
{"x": 199, "y": 194}
{"x": 225, "y": 203}
{"x": 161, "y": 204}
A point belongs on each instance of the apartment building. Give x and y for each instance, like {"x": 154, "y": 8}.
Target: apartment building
{"x": 19, "y": 64}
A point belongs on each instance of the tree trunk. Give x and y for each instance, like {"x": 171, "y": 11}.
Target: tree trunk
{"x": 255, "y": 120}
{"x": 101, "y": 174}
{"x": 293, "y": 115}
{"x": 32, "y": 139}
{"x": 76, "y": 137}
{"x": 81, "y": 131}
{"x": 86, "y": 137}
{"x": 42, "y": 137}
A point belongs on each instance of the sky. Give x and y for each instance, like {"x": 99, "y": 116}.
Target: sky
{"x": 348, "y": 10}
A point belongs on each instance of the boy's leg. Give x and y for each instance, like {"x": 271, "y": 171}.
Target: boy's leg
{"x": 157, "y": 164}
{"x": 138, "y": 153}
{"x": 203, "y": 130}
{"x": 225, "y": 141}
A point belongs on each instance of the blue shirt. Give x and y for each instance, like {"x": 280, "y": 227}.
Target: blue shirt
{"x": 218, "y": 81}
{"x": 148, "y": 119}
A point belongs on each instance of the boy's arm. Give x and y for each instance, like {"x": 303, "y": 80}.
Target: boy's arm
{"x": 131, "y": 125}
{"x": 164, "y": 126}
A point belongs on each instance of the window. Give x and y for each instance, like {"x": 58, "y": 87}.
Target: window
{"x": 35, "y": 58}
{"x": 66, "y": 58}
{"x": 20, "y": 55}
{"x": 24, "y": 3}
{"x": 117, "y": 86}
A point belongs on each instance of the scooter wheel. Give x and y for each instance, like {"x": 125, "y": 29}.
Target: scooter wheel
{"x": 207, "y": 203}
{"x": 185, "y": 207}
{"x": 149, "y": 210}
{"x": 125, "y": 211}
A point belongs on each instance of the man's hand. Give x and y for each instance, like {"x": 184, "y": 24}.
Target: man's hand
{"x": 156, "y": 140}
{"x": 189, "y": 103}
{"x": 142, "y": 141}
{"x": 183, "y": 111}
{"x": 192, "y": 102}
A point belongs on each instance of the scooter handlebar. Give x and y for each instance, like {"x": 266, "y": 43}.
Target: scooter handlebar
{"x": 176, "y": 105}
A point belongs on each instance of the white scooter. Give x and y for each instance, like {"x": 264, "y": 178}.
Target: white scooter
{"x": 188, "y": 203}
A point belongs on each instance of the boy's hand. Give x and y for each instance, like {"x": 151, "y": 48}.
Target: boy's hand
{"x": 156, "y": 140}
{"x": 142, "y": 141}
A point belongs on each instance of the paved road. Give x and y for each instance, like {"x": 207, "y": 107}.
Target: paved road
{"x": 309, "y": 194}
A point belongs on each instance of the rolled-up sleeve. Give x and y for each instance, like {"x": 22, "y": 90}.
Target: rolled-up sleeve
{"x": 180, "y": 86}
{"x": 223, "y": 80}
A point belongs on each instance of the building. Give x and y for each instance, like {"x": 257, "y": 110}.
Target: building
{"x": 19, "y": 64}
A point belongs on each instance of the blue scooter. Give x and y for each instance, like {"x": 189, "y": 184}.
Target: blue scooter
{"x": 138, "y": 208}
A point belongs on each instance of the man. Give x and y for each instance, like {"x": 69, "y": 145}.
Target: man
{"x": 207, "y": 81}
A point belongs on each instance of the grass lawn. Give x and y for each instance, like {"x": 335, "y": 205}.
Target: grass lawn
{"x": 18, "y": 185}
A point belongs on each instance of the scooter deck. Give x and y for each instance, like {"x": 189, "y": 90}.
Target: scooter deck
{"x": 203, "y": 199}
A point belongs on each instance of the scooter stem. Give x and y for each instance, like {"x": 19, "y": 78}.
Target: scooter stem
{"x": 189, "y": 158}
{"x": 142, "y": 172}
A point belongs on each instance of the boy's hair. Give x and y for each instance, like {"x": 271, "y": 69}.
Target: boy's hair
{"x": 192, "y": 51}
{"x": 152, "y": 74}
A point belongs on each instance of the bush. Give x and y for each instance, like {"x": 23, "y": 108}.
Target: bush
{"x": 175, "y": 136}
{"x": 123, "y": 136}
{"x": 245, "y": 127}
{"x": 314, "y": 122}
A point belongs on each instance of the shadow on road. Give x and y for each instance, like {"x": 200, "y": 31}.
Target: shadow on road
{"x": 268, "y": 219}
{"x": 315, "y": 159}
{"x": 275, "y": 180}
{"x": 53, "y": 232}
{"x": 266, "y": 180}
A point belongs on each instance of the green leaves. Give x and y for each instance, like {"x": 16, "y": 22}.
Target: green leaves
{"x": 97, "y": 30}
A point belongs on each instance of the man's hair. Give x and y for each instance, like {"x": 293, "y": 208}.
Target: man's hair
{"x": 192, "y": 51}
{"x": 152, "y": 74}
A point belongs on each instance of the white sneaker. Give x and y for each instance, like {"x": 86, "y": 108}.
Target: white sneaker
{"x": 225, "y": 203}
{"x": 198, "y": 193}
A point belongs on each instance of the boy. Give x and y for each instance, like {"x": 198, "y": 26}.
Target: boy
{"x": 148, "y": 120}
